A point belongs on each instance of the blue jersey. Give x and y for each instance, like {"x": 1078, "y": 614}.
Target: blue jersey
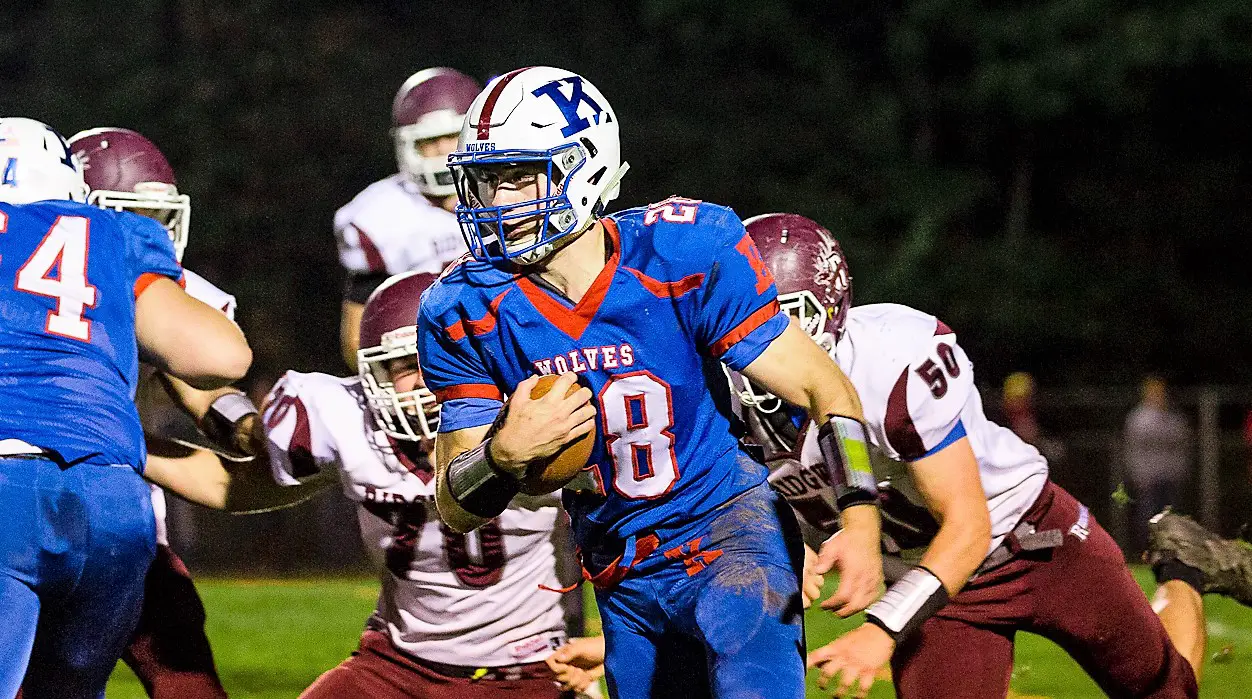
{"x": 69, "y": 277}
{"x": 684, "y": 288}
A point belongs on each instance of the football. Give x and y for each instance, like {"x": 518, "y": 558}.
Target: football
{"x": 547, "y": 475}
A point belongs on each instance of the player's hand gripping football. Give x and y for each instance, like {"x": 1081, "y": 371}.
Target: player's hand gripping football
{"x": 855, "y": 658}
{"x": 537, "y": 428}
{"x": 854, "y": 552}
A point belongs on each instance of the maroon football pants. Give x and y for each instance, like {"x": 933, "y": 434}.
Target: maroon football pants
{"x": 170, "y": 652}
{"x": 1080, "y": 595}
{"x": 377, "y": 670}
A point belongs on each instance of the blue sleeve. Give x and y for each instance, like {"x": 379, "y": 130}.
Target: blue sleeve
{"x": 149, "y": 250}
{"x": 738, "y": 315}
{"x": 463, "y": 413}
{"x": 467, "y": 395}
{"x": 955, "y": 434}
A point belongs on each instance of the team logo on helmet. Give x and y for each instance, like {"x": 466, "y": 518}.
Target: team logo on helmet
{"x": 832, "y": 273}
{"x": 569, "y": 105}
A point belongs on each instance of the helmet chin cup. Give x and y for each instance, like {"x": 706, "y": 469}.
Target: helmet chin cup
{"x": 748, "y": 394}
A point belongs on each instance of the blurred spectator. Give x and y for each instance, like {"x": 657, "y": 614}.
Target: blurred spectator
{"x": 1158, "y": 445}
{"x": 1017, "y": 400}
{"x": 1019, "y": 406}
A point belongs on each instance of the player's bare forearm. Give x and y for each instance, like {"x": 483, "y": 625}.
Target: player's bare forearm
{"x": 952, "y": 489}
{"x": 203, "y": 478}
{"x": 350, "y": 331}
{"x": 800, "y": 372}
{"x": 199, "y": 477}
{"x": 194, "y": 401}
{"x": 796, "y": 369}
{"x": 448, "y": 446}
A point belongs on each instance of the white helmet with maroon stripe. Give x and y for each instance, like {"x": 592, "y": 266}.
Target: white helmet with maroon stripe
{"x": 555, "y": 121}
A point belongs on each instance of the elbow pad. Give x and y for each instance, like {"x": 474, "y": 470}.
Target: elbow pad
{"x": 844, "y": 443}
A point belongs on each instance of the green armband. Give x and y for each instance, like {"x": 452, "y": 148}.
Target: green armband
{"x": 844, "y": 443}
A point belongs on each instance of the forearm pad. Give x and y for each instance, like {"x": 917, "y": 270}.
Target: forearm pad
{"x": 224, "y": 413}
{"x": 844, "y": 443}
{"x": 908, "y": 603}
{"x": 477, "y": 485}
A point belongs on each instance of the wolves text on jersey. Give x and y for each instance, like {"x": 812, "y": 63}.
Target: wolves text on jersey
{"x": 588, "y": 359}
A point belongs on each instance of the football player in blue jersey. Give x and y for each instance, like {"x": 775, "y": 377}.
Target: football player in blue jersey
{"x": 695, "y": 561}
{"x": 85, "y": 292}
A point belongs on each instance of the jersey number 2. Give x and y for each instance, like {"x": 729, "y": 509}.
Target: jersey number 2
{"x": 64, "y": 248}
{"x": 638, "y": 414}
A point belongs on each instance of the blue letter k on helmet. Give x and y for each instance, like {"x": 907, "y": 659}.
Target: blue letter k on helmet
{"x": 569, "y": 106}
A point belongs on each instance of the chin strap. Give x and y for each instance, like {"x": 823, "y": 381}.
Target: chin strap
{"x": 613, "y": 186}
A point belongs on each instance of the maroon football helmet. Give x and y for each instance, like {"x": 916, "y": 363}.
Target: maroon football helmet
{"x": 126, "y": 171}
{"x": 389, "y": 331}
{"x": 810, "y": 271}
{"x": 814, "y": 285}
{"x": 430, "y": 104}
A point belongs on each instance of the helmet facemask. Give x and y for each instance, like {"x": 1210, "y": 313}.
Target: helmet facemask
{"x": 429, "y": 172}
{"x": 411, "y": 416}
{"x": 550, "y": 215}
{"x": 807, "y": 312}
{"x": 159, "y": 201}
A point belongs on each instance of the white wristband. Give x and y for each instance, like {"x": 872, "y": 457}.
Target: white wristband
{"x": 908, "y": 603}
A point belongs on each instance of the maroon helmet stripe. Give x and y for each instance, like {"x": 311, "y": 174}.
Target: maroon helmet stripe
{"x": 484, "y": 119}
{"x": 901, "y": 432}
{"x": 373, "y": 258}
{"x": 300, "y": 449}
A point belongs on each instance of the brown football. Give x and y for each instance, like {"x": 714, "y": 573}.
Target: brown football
{"x": 551, "y": 473}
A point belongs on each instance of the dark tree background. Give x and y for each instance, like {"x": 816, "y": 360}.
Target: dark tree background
{"x": 1065, "y": 181}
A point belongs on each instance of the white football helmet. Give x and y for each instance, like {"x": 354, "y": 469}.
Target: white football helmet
{"x": 36, "y": 164}
{"x": 430, "y": 104}
{"x": 556, "y": 120}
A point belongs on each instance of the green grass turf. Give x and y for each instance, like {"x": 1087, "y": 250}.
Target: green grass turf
{"x": 273, "y": 637}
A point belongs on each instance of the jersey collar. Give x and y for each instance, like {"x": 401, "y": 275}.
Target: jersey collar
{"x": 573, "y": 321}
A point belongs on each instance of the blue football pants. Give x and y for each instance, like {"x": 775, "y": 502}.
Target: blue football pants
{"x": 715, "y": 611}
{"x": 75, "y": 546}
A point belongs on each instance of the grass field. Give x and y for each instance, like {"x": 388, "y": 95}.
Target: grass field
{"x": 273, "y": 637}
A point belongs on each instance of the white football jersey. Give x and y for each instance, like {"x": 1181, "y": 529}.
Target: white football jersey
{"x": 462, "y": 599}
{"x": 202, "y": 290}
{"x": 917, "y": 388}
{"x": 391, "y": 227}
